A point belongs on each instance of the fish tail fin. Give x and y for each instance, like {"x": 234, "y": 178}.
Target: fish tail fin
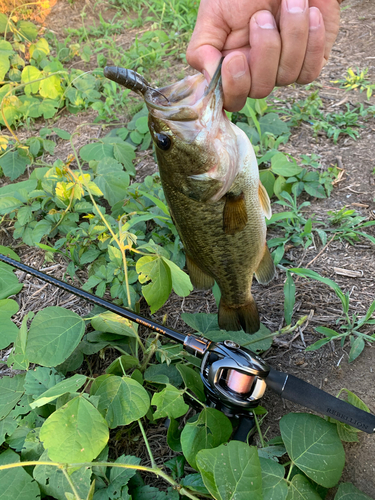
{"x": 266, "y": 268}
{"x": 245, "y": 317}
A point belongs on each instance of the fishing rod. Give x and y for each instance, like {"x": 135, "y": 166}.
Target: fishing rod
{"x": 234, "y": 377}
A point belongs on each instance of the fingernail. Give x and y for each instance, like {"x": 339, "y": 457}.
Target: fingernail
{"x": 296, "y": 6}
{"x": 237, "y": 66}
{"x": 315, "y": 18}
{"x": 265, "y": 20}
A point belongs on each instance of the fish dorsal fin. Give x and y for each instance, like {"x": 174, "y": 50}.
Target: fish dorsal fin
{"x": 235, "y": 214}
{"x": 264, "y": 200}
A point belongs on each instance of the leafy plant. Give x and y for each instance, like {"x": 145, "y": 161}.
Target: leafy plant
{"x": 356, "y": 80}
{"x": 350, "y": 325}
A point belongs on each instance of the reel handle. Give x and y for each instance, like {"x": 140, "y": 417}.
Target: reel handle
{"x": 300, "y": 392}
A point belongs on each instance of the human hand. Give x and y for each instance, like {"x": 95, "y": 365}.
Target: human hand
{"x": 265, "y": 43}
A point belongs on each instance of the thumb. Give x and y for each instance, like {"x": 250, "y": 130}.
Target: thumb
{"x": 205, "y": 59}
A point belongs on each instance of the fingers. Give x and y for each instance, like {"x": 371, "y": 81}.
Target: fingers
{"x": 236, "y": 80}
{"x": 314, "y": 56}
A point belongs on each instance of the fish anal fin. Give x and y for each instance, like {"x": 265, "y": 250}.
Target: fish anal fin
{"x": 264, "y": 200}
{"x": 245, "y": 317}
{"x": 199, "y": 279}
{"x": 266, "y": 268}
{"x": 235, "y": 214}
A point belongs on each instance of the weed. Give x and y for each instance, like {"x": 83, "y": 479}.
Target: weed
{"x": 357, "y": 80}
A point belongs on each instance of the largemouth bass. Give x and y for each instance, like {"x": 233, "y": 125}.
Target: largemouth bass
{"x": 210, "y": 178}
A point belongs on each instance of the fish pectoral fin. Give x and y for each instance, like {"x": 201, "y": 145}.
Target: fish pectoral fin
{"x": 245, "y": 317}
{"x": 266, "y": 268}
{"x": 235, "y": 214}
{"x": 264, "y": 200}
{"x": 199, "y": 279}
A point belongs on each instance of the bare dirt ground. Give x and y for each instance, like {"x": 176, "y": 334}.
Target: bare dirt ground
{"x": 328, "y": 367}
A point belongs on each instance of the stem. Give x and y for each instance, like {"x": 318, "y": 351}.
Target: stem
{"x": 290, "y": 471}
{"x": 259, "y": 431}
{"x": 67, "y": 477}
{"x": 153, "y": 463}
{"x": 287, "y": 329}
{"x": 153, "y": 348}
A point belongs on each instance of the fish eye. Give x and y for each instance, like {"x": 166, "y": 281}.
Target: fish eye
{"x": 163, "y": 141}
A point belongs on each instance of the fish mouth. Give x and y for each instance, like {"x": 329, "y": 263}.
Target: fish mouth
{"x": 187, "y": 99}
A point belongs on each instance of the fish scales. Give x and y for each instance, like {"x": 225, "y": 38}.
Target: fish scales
{"x": 210, "y": 177}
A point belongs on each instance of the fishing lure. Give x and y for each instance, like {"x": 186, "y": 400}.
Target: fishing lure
{"x": 130, "y": 79}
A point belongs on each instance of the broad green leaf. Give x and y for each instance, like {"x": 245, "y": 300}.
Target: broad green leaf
{"x": 8, "y": 251}
{"x": 357, "y": 347}
{"x": 194, "y": 482}
{"x": 53, "y": 335}
{"x": 9, "y": 424}
{"x": 181, "y": 283}
{"x": 280, "y": 186}
{"x": 121, "y": 364}
{"x": 113, "y": 323}
{"x": 300, "y": 488}
{"x": 315, "y": 189}
{"x": 231, "y": 472}
{"x": 169, "y": 402}
{"x": 8, "y": 330}
{"x": 173, "y": 435}
{"x": 268, "y": 180}
{"x": 119, "y": 477}
{"x": 28, "y": 30}
{"x": 259, "y": 341}
{"x": 314, "y": 447}
{"x": 153, "y": 267}
{"x": 18, "y": 358}
{"x": 9, "y": 284}
{"x": 201, "y": 322}
{"x": 347, "y": 491}
{"x": 4, "y": 63}
{"x": 281, "y": 165}
{"x": 122, "y": 399}
{"x": 63, "y": 134}
{"x": 206, "y": 430}
{"x": 30, "y": 73}
{"x": 163, "y": 374}
{"x": 270, "y": 122}
{"x": 16, "y": 483}
{"x": 124, "y": 153}
{"x": 96, "y": 151}
{"x": 111, "y": 180}
{"x": 152, "y": 493}
{"x": 274, "y": 485}
{"x": 41, "y": 379}
{"x": 13, "y": 164}
{"x": 251, "y": 132}
{"x": 75, "y": 433}
{"x": 11, "y": 391}
{"x": 192, "y": 381}
{"x": 53, "y": 482}
{"x": 71, "y": 384}
{"x": 50, "y": 87}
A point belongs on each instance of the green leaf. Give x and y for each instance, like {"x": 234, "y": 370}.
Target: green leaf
{"x": 195, "y": 483}
{"x": 315, "y": 189}
{"x": 9, "y": 284}
{"x": 153, "y": 267}
{"x": 63, "y": 134}
{"x": 11, "y": 391}
{"x": 28, "y": 30}
{"x": 109, "y": 322}
{"x": 181, "y": 283}
{"x": 51, "y": 87}
{"x": 231, "y": 472}
{"x": 282, "y": 166}
{"x": 300, "y": 488}
{"x": 192, "y": 381}
{"x": 124, "y": 362}
{"x": 41, "y": 379}
{"x": 16, "y": 483}
{"x": 124, "y": 153}
{"x": 53, "y": 482}
{"x": 169, "y": 402}
{"x": 111, "y": 180}
{"x": 268, "y": 180}
{"x": 272, "y": 124}
{"x": 4, "y": 63}
{"x": 152, "y": 493}
{"x": 206, "y": 430}
{"x": 96, "y": 151}
{"x": 163, "y": 374}
{"x": 75, "y": 433}
{"x": 314, "y": 447}
{"x": 30, "y": 73}
{"x": 69, "y": 385}
{"x": 201, "y": 322}
{"x": 347, "y": 491}
{"x": 173, "y": 435}
{"x": 273, "y": 483}
{"x": 289, "y": 298}
{"x": 119, "y": 477}
{"x": 8, "y": 331}
{"x": 13, "y": 164}
{"x": 122, "y": 399}
{"x": 356, "y": 348}
{"x": 54, "y": 334}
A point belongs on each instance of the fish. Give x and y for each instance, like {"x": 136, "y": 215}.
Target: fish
{"x": 210, "y": 177}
